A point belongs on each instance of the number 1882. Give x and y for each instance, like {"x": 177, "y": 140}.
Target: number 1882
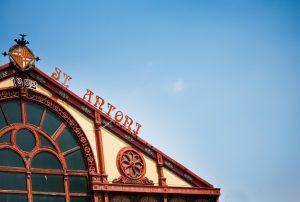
{"x": 20, "y": 82}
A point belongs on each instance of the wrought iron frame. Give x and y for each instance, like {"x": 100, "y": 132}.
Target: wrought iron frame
{"x": 49, "y": 104}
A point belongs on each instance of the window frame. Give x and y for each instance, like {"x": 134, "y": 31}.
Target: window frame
{"x": 37, "y": 131}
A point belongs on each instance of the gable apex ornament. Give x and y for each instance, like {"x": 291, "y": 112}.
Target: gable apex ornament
{"x": 20, "y": 55}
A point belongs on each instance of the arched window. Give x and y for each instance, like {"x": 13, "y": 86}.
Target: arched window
{"x": 41, "y": 159}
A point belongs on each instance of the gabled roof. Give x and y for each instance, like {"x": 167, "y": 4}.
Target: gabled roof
{"x": 60, "y": 91}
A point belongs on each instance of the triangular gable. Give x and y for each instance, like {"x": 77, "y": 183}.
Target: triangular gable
{"x": 171, "y": 169}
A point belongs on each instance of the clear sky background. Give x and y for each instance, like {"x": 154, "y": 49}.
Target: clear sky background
{"x": 215, "y": 84}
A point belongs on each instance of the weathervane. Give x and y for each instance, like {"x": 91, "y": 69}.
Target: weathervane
{"x": 20, "y": 55}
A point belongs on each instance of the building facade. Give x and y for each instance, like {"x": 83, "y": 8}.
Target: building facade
{"x": 55, "y": 146}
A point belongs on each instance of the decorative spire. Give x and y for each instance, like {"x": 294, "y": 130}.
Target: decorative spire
{"x": 22, "y": 41}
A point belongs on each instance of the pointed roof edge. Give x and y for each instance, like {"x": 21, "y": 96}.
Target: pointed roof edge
{"x": 89, "y": 110}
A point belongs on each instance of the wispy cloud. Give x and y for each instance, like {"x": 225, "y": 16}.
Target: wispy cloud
{"x": 178, "y": 86}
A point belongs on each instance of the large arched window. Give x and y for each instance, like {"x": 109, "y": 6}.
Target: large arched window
{"x": 41, "y": 159}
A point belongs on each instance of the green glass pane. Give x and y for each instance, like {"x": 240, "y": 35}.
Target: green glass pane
{"x": 66, "y": 140}
{"x": 75, "y": 161}
{"x": 12, "y": 181}
{"x": 5, "y": 138}
{"x": 81, "y": 199}
{"x": 12, "y": 110}
{"x": 51, "y": 123}
{"x": 78, "y": 184}
{"x": 39, "y": 198}
{"x": 46, "y": 143}
{"x": 46, "y": 160}
{"x": 13, "y": 198}
{"x": 47, "y": 183}
{"x": 10, "y": 158}
{"x": 25, "y": 140}
{"x": 2, "y": 121}
{"x": 34, "y": 113}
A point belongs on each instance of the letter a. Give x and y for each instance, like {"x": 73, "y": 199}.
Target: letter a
{"x": 88, "y": 93}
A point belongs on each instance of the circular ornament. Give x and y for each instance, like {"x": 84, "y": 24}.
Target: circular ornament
{"x": 131, "y": 163}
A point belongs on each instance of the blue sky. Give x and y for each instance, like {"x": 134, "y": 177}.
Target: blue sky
{"x": 215, "y": 84}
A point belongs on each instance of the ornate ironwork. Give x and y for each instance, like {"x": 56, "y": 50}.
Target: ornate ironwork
{"x": 169, "y": 164}
{"x": 41, "y": 79}
{"x": 129, "y": 138}
{"x": 106, "y": 123}
{"x": 187, "y": 176}
{"x": 132, "y": 167}
{"x": 64, "y": 94}
{"x": 87, "y": 110}
{"x": 149, "y": 151}
{"x": 131, "y": 164}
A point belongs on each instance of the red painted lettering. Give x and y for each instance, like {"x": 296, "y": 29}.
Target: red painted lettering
{"x": 99, "y": 101}
{"x": 119, "y": 116}
{"x": 56, "y": 75}
{"x": 88, "y": 93}
{"x": 128, "y": 121}
{"x": 110, "y": 108}
{"x": 67, "y": 78}
{"x": 138, "y": 127}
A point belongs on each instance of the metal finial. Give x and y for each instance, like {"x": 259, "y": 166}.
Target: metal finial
{"x": 22, "y": 41}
